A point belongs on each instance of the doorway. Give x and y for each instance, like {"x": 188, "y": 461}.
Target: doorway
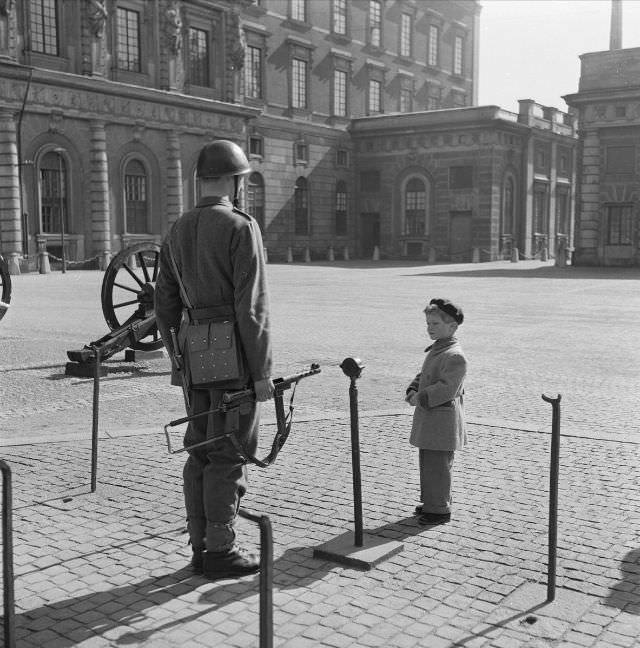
{"x": 460, "y": 236}
{"x": 369, "y": 233}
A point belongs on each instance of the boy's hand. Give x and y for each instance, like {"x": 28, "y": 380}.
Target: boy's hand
{"x": 412, "y": 398}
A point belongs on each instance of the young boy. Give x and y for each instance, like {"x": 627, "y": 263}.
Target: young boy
{"x": 438, "y": 428}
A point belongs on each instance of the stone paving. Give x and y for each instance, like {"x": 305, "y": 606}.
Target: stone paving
{"x": 109, "y": 568}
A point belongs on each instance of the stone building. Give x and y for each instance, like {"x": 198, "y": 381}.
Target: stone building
{"x": 608, "y": 186}
{"x": 105, "y": 104}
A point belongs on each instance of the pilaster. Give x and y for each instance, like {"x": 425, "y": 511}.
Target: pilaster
{"x": 10, "y": 226}
{"x": 175, "y": 199}
{"x": 100, "y": 212}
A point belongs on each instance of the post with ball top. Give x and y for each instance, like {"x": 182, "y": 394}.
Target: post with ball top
{"x": 359, "y": 549}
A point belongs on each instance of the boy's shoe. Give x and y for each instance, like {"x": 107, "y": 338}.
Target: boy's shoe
{"x": 197, "y": 559}
{"x": 427, "y": 519}
{"x": 228, "y": 564}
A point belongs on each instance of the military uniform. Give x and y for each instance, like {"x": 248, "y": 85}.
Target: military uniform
{"x": 219, "y": 254}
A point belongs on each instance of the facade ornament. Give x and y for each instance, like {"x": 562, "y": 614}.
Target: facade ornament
{"x": 97, "y": 16}
{"x": 6, "y": 7}
{"x": 174, "y": 26}
{"x": 238, "y": 43}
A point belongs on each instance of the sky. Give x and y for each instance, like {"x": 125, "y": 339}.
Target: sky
{"x": 529, "y": 49}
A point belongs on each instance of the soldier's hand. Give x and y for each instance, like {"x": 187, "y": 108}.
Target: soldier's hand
{"x": 264, "y": 389}
{"x": 412, "y": 398}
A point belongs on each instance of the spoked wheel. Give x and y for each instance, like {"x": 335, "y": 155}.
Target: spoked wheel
{"x": 128, "y": 288}
{"x": 5, "y": 287}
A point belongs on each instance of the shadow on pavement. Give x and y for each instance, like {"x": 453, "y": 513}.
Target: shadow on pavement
{"x": 545, "y": 272}
{"x": 404, "y": 528}
{"x": 126, "y": 606}
{"x": 622, "y": 595}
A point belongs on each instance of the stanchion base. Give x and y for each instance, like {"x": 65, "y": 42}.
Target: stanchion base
{"x": 84, "y": 369}
{"x": 138, "y": 355}
{"x": 343, "y": 550}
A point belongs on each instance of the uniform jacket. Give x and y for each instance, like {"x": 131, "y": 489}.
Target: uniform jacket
{"x": 438, "y": 420}
{"x": 219, "y": 253}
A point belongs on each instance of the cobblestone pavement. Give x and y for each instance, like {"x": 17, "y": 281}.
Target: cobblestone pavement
{"x": 109, "y": 568}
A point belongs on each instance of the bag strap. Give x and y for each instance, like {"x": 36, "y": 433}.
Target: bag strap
{"x": 183, "y": 290}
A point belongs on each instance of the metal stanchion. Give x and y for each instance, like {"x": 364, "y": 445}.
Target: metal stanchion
{"x": 94, "y": 426}
{"x": 266, "y": 576}
{"x": 553, "y": 496}
{"x": 7, "y": 558}
{"x": 367, "y": 550}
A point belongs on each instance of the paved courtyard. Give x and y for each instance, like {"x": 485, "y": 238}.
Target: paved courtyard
{"x": 108, "y": 568}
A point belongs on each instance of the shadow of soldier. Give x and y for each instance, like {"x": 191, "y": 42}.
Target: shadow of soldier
{"x": 78, "y": 619}
{"x": 624, "y": 594}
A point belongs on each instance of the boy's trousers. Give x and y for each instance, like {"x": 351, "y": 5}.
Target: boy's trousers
{"x": 435, "y": 480}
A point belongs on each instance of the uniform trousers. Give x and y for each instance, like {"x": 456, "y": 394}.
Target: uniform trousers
{"x": 435, "y": 480}
{"x": 215, "y": 475}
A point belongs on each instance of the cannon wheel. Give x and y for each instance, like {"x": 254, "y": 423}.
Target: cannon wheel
{"x": 128, "y": 288}
{"x": 5, "y": 286}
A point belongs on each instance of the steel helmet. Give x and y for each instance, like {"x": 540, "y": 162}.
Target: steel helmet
{"x": 222, "y": 158}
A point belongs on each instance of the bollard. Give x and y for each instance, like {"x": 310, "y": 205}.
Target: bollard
{"x": 433, "y": 255}
{"x": 44, "y": 267}
{"x": 367, "y": 550}
{"x": 266, "y": 576}
{"x": 289, "y": 255}
{"x": 376, "y": 253}
{"x": 7, "y": 558}
{"x": 307, "y": 255}
{"x": 94, "y": 426}
{"x": 266, "y": 254}
{"x": 352, "y": 367}
{"x": 476, "y": 255}
{"x": 330, "y": 254}
{"x": 345, "y": 253}
{"x": 553, "y": 496}
{"x": 514, "y": 255}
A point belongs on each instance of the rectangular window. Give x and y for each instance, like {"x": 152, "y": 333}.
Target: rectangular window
{"x": 298, "y": 83}
{"x": 370, "y": 181}
{"x": 299, "y": 10}
{"x": 255, "y": 146}
{"x": 375, "y": 96}
{"x": 340, "y": 93}
{"x": 619, "y": 224}
{"x": 135, "y": 195}
{"x": 458, "y": 52}
{"x": 461, "y": 177}
{"x": 562, "y": 212}
{"x": 52, "y": 184}
{"x": 405, "y": 100}
{"x": 301, "y": 152}
{"x": 405, "y": 35}
{"x": 128, "y": 37}
{"x": 44, "y": 26}
{"x": 621, "y": 159}
{"x": 341, "y": 212}
{"x": 342, "y": 158}
{"x": 253, "y": 72}
{"x": 375, "y": 23}
{"x": 199, "y": 57}
{"x": 540, "y": 211}
{"x": 340, "y": 17}
{"x": 434, "y": 46}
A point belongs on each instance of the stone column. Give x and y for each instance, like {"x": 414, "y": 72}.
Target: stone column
{"x": 175, "y": 198}
{"x": 100, "y": 211}
{"x": 10, "y": 225}
{"x": 587, "y": 235}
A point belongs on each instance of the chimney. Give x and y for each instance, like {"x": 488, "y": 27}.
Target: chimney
{"x": 615, "y": 40}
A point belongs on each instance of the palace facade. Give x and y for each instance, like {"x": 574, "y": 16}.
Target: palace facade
{"x": 359, "y": 118}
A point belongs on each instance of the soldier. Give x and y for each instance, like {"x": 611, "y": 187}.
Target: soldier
{"x": 218, "y": 256}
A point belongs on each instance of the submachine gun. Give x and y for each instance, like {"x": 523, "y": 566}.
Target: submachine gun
{"x": 127, "y": 304}
{"x": 5, "y": 287}
{"x": 234, "y": 399}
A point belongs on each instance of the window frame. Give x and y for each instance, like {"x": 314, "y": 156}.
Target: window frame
{"x": 339, "y": 98}
{"x": 341, "y": 216}
{"x": 374, "y": 93}
{"x": 51, "y": 200}
{"x": 457, "y": 60}
{"x": 299, "y": 92}
{"x": 147, "y": 201}
{"x": 57, "y": 7}
{"x": 253, "y": 192}
{"x": 375, "y": 22}
{"x": 210, "y": 77}
{"x": 139, "y": 38}
{"x": 301, "y": 211}
{"x": 339, "y": 13}
{"x": 422, "y": 207}
{"x": 625, "y": 210}
{"x": 258, "y": 78}
{"x": 298, "y": 10}
{"x": 433, "y": 46}
{"x": 405, "y": 45}
{"x": 456, "y": 174}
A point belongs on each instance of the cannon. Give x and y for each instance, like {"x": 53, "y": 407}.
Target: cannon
{"x": 5, "y": 287}
{"x": 127, "y": 305}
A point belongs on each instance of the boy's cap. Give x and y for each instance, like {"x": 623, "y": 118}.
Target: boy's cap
{"x": 449, "y": 308}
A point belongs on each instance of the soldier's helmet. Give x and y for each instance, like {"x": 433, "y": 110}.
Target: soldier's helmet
{"x": 222, "y": 158}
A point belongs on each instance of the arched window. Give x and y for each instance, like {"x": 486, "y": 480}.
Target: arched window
{"x": 255, "y": 198}
{"x": 415, "y": 207}
{"x": 135, "y": 198}
{"x": 341, "y": 208}
{"x": 53, "y": 194}
{"x": 301, "y": 207}
{"x": 508, "y": 207}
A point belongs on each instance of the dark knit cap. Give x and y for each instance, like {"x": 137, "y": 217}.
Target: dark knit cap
{"x": 449, "y": 308}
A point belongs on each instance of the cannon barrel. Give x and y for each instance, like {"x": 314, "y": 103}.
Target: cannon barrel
{"x": 127, "y": 295}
